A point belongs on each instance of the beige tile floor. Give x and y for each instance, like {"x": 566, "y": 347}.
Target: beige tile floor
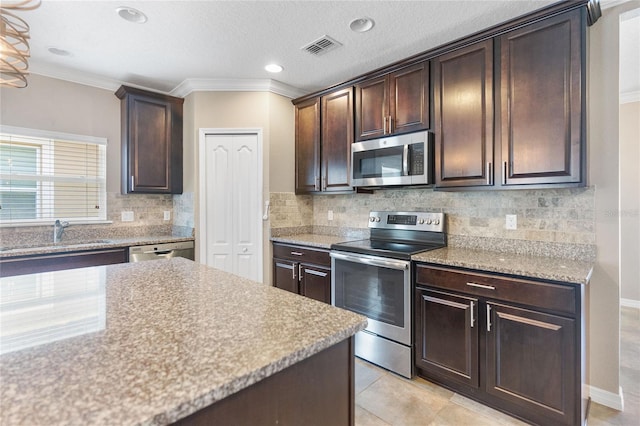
{"x": 383, "y": 398}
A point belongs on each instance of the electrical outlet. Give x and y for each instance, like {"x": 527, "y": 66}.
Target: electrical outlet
{"x": 512, "y": 221}
{"x": 167, "y": 215}
{"x": 127, "y": 216}
{"x": 330, "y": 215}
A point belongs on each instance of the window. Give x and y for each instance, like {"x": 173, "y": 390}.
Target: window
{"x": 46, "y": 176}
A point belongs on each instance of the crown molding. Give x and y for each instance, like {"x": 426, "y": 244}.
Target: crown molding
{"x": 235, "y": 85}
{"x": 183, "y": 89}
{"x": 628, "y": 97}
{"x": 74, "y": 76}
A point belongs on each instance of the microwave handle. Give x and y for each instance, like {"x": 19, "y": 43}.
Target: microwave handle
{"x": 405, "y": 160}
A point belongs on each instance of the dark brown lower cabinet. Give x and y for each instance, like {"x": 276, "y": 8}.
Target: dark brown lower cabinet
{"x": 302, "y": 270}
{"x": 11, "y": 266}
{"x": 513, "y": 344}
{"x": 448, "y": 332}
{"x": 530, "y": 362}
{"x": 317, "y": 391}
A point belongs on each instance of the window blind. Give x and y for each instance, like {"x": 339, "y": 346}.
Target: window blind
{"x": 46, "y": 176}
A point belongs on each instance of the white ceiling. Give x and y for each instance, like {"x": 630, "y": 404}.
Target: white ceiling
{"x": 233, "y": 40}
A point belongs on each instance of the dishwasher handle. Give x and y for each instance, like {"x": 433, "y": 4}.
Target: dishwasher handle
{"x": 158, "y": 252}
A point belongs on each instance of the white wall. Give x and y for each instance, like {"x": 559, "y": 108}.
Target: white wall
{"x": 630, "y": 203}
{"x": 603, "y": 156}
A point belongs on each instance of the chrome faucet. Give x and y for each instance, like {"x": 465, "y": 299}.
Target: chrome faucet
{"x": 58, "y": 230}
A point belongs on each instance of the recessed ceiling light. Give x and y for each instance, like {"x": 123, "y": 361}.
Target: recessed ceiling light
{"x": 273, "y": 68}
{"x": 132, "y": 15}
{"x": 57, "y": 51}
{"x": 361, "y": 25}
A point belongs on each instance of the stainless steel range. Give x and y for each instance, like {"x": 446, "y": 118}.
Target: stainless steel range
{"x": 373, "y": 277}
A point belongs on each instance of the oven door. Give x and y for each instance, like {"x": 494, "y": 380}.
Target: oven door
{"x": 376, "y": 287}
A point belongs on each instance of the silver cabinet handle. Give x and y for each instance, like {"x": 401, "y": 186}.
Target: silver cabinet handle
{"x": 489, "y": 173}
{"x": 471, "y": 305}
{"x": 390, "y": 124}
{"x": 324, "y": 183}
{"x": 132, "y": 183}
{"x": 488, "y": 318}
{"x": 299, "y": 272}
{"x": 504, "y": 174}
{"x": 486, "y": 287}
{"x": 317, "y": 184}
{"x": 297, "y": 253}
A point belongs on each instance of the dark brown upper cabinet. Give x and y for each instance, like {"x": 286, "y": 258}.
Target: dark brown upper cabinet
{"x": 151, "y": 142}
{"x": 324, "y": 134}
{"x": 542, "y": 107}
{"x": 336, "y": 137}
{"x": 308, "y": 146}
{"x": 394, "y": 103}
{"x": 463, "y": 98}
{"x": 536, "y": 107}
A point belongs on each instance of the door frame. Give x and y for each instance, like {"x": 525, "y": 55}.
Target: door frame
{"x": 201, "y": 248}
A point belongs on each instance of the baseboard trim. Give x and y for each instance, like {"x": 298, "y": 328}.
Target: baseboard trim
{"x": 606, "y": 398}
{"x": 630, "y": 303}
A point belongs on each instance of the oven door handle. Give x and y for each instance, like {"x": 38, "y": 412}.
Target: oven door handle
{"x": 372, "y": 261}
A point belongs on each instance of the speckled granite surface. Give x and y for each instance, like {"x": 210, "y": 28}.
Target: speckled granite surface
{"x": 547, "y": 268}
{"x": 172, "y": 337}
{"x": 312, "y": 240}
{"x": 75, "y": 245}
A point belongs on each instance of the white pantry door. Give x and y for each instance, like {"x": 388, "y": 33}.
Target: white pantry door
{"x": 233, "y": 236}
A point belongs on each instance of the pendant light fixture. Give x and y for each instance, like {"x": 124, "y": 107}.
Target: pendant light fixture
{"x": 14, "y": 43}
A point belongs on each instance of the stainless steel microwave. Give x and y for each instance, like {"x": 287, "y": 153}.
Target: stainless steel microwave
{"x": 392, "y": 161}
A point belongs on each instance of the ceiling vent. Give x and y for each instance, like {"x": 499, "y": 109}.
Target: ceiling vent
{"x": 321, "y": 46}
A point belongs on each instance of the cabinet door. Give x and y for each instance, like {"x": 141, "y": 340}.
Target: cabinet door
{"x": 446, "y": 336}
{"x": 151, "y": 142}
{"x": 372, "y": 108}
{"x": 463, "y": 96}
{"x": 409, "y": 99}
{"x": 541, "y": 77}
{"x": 315, "y": 282}
{"x": 337, "y": 137}
{"x": 149, "y": 145}
{"x": 532, "y": 363}
{"x": 308, "y": 146}
{"x": 285, "y": 275}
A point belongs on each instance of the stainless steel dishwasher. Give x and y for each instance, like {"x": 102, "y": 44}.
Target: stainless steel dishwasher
{"x": 162, "y": 251}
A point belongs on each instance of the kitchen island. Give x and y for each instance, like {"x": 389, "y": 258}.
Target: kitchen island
{"x": 170, "y": 341}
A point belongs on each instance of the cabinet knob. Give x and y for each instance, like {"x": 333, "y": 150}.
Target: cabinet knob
{"x": 244, "y": 250}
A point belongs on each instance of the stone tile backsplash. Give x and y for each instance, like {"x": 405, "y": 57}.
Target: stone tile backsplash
{"x": 550, "y": 222}
{"x": 148, "y": 210}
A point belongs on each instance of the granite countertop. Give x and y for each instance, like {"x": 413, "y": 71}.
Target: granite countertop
{"x": 96, "y": 244}
{"x": 313, "y": 240}
{"x": 547, "y": 268}
{"x": 153, "y": 341}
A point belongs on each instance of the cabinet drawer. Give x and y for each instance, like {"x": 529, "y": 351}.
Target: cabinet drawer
{"x": 554, "y": 297}
{"x": 301, "y": 254}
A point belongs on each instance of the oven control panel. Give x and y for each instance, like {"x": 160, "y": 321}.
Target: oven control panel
{"x": 418, "y": 221}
